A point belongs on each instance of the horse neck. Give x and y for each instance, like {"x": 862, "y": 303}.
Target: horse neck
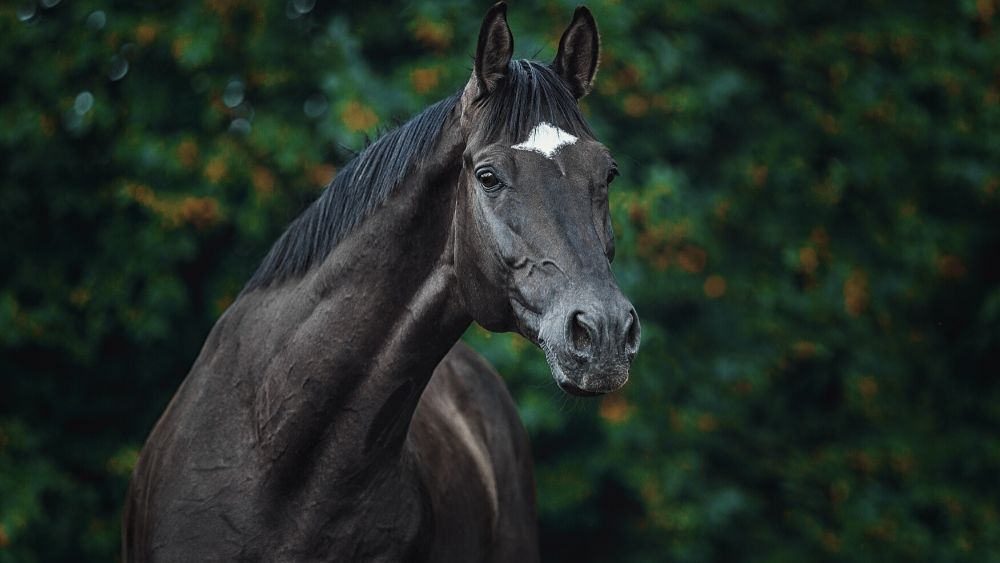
{"x": 348, "y": 349}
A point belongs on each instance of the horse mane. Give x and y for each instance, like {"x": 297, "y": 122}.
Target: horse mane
{"x": 530, "y": 93}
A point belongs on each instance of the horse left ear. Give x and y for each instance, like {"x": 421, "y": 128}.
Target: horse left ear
{"x": 579, "y": 53}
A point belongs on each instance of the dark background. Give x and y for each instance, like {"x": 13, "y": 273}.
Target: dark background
{"x": 807, "y": 224}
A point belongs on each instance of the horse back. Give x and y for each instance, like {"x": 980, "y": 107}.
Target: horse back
{"x": 474, "y": 459}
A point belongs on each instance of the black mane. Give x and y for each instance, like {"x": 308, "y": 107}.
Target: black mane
{"x": 361, "y": 186}
{"x": 530, "y": 93}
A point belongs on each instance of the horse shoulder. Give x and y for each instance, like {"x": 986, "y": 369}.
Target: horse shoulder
{"x": 474, "y": 459}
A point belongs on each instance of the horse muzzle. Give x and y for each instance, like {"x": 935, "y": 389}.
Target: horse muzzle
{"x": 590, "y": 342}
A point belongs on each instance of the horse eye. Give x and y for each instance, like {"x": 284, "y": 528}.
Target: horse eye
{"x": 612, "y": 174}
{"x": 488, "y": 179}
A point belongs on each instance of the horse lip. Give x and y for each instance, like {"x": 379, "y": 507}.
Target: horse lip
{"x": 575, "y": 385}
{"x": 571, "y": 388}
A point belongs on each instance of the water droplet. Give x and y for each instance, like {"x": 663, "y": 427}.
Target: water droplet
{"x": 48, "y": 3}
{"x": 26, "y": 11}
{"x": 84, "y": 101}
{"x": 118, "y": 68}
{"x": 315, "y": 106}
{"x": 239, "y": 126}
{"x": 232, "y": 96}
{"x": 290, "y": 11}
{"x": 303, "y": 6}
{"x": 96, "y": 20}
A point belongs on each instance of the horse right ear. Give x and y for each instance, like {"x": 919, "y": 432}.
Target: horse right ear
{"x": 495, "y": 48}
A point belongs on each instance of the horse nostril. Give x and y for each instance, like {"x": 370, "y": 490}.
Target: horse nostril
{"x": 580, "y": 335}
{"x": 632, "y": 334}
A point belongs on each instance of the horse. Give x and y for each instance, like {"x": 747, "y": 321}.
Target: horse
{"x": 332, "y": 413}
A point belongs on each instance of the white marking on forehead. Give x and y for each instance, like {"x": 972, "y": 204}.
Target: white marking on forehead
{"x": 545, "y": 139}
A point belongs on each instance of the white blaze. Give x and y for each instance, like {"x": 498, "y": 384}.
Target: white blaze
{"x": 546, "y": 139}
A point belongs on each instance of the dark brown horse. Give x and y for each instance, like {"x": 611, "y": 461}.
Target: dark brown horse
{"x": 332, "y": 413}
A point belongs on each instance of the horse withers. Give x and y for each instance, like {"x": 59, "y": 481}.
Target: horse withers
{"x": 332, "y": 413}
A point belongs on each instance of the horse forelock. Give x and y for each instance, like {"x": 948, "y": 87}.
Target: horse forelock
{"x": 530, "y": 94}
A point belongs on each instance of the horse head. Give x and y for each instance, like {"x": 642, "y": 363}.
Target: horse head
{"x": 533, "y": 235}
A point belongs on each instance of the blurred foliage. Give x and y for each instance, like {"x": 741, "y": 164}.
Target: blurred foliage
{"x": 807, "y": 221}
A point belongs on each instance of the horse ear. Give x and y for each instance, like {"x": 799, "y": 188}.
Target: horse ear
{"x": 495, "y": 48}
{"x": 579, "y": 53}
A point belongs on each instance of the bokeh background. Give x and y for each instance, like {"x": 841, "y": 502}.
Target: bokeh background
{"x": 808, "y": 223}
